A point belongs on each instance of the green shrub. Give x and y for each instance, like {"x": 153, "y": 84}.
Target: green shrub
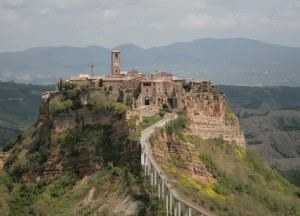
{"x": 57, "y": 105}
{"x": 98, "y": 100}
{"x": 119, "y": 108}
{"x": 63, "y": 184}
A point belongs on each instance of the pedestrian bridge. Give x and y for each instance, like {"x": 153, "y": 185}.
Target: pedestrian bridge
{"x": 175, "y": 204}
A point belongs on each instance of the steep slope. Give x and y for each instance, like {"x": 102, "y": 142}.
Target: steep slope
{"x": 222, "y": 176}
{"x": 271, "y": 119}
{"x": 76, "y": 165}
{"x": 234, "y": 61}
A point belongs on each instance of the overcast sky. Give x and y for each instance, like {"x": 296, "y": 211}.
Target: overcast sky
{"x": 109, "y": 23}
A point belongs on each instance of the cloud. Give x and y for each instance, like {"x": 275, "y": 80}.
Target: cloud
{"x": 65, "y": 4}
{"x": 15, "y": 2}
{"x": 291, "y": 10}
{"x": 8, "y": 16}
{"x": 110, "y": 15}
{"x": 199, "y": 21}
{"x": 289, "y": 17}
{"x": 44, "y": 11}
{"x": 159, "y": 26}
{"x": 234, "y": 19}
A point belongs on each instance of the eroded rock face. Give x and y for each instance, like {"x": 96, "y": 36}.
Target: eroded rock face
{"x": 83, "y": 161}
{"x": 207, "y": 114}
{"x": 208, "y": 127}
{"x": 168, "y": 149}
{"x": 3, "y": 158}
{"x": 207, "y": 104}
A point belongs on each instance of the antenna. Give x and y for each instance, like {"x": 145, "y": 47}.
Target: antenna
{"x": 92, "y": 66}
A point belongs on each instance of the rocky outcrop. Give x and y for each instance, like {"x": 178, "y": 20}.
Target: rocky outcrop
{"x": 207, "y": 114}
{"x": 82, "y": 117}
{"x": 46, "y": 131}
{"x": 208, "y": 127}
{"x": 44, "y": 107}
{"x": 169, "y": 150}
{"x": 3, "y": 158}
{"x": 206, "y": 104}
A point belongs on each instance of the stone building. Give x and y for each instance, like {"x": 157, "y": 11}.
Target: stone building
{"x": 198, "y": 86}
{"x": 138, "y": 90}
{"x": 115, "y": 62}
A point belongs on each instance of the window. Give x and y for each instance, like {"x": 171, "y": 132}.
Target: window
{"x": 116, "y": 56}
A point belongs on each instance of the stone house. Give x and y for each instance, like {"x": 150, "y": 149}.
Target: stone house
{"x": 198, "y": 86}
{"x": 133, "y": 87}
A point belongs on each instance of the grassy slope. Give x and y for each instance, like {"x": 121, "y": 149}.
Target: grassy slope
{"x": 245, "y": 184}
{"x": 101, "y": 193}
{"x": 271, "y": 119}
{"x": 108, "y": 191}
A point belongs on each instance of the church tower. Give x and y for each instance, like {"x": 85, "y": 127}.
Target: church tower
{"x": 115, "y": 62}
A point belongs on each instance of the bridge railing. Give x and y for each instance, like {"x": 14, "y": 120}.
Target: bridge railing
{"x": 175, "y": 204}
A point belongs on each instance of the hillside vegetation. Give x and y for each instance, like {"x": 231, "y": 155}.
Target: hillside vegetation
{"x": 91, "y": 169}
{"x": 245, "y": 184}
{"x": 19, "y": 105}
{"x": 271, "y": 120}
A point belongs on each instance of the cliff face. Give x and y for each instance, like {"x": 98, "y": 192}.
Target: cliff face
{"x": 170, "y": 150}
{"x": 3, "y": 158}
{"x": 79, "y": 140}
{"x": 210, "y": 118}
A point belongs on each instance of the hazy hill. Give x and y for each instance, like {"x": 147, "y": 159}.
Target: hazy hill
{"x": 19, "y": 105}
{"x": 228, "y": 61}
{"x": 271, "y": 120}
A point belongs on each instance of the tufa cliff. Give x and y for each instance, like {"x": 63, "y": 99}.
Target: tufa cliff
{"x": 210, "y": 117}
{"x": 67, "y": 139}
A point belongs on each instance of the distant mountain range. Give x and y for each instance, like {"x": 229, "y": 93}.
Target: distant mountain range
{"x": 235, "y": 61}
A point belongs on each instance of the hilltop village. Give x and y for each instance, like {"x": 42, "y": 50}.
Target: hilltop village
{"x": 205, "y": 105}
{"x": 137, "y": 90}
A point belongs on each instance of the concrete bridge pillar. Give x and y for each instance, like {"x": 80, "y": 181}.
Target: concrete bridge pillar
{"x": 145, "y": 165}
{"x": 171, "y": 204}
{"x": 148, "y": 167}
{"x": 162, "y": 188}
{"x": 155, "y": 177}
{"x": 179, "y": 208}
{"x": 143, "y": 158}
{"x": 187, "y": 211}
{"x": 167, "y": 204}
{"x": 152, "y": 176}
{"x": 159, "y": 191}
{"x": 175, "y": 207}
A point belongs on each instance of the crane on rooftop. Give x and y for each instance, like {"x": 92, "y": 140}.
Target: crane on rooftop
{"x": 92, "y": 66}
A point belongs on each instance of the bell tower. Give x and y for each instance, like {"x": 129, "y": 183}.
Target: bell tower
{"x": 115, "y": 62}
